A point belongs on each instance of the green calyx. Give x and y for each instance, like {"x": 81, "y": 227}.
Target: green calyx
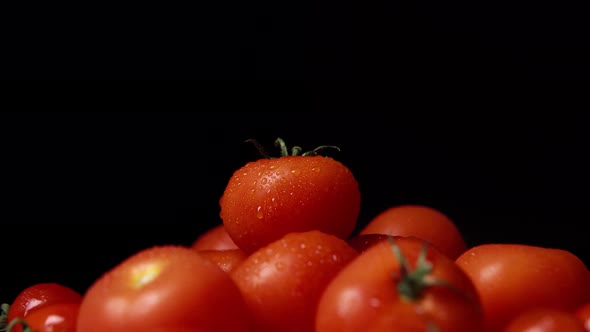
{"x": 411, "y": 283}
{"x": 295, "y": 151}
{"x": 4, "y": 316}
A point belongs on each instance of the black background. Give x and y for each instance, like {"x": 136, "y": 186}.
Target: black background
{"x": 81, "y": 191}
{"x": 399, "y": 40}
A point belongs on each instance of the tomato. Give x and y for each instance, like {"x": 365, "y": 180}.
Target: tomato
{"x": 513, "y": 278}
{"x": 421, "y": 221}
{"x": 362, "y": 242}
{"x": 164, "y": 288}
{"x": 282, "y": 282}
{"x": 55, "y": 317}
{"x": 402, "y": 284}
{"x": 215, "y": 238}
{"x": 545, "y": 320}
{"x": 40, "y": 295}
{"x": 227, "y": 259}
{"x": 270, "y": 197}
{"x": 583, "y": 313}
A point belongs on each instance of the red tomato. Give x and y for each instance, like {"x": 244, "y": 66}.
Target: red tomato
{"x": 282, "y": 282}
{"x": 513, "y": 278}
{"x": 40, "y": 295}
{"x": 400, "y": 285}
{"x": 545, "y": 320}
{"x": 268, "y": 198}
{"x": 583, "y": 313}
{"x": 227, "y": 259}
{"x": 56, "y": 317}
{"x": 164, "y": 288}
{"x": 420, "y": 221}
{"x": 215, "y": 238}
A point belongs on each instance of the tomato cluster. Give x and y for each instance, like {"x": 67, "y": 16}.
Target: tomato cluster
{"x": 285, "y": 258}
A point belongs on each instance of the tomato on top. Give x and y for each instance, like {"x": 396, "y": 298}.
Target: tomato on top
{"x": 271, "y": 197}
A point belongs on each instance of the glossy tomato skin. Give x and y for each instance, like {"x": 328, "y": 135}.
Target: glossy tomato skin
{"x": 583, "y": 314}
{"x": 282, "y": 282}
{"x": 164, "y": 288}
{"x": 364, "y": 295}
{"x": 215, "y": 238}
{"x": 513, "y": 278}
{"x": 57, "y": 317}
{"x": 545, "y": 320}
{"x": 420, "y": 221}
{"x": 269, "y": 198}
{"x": 40, "y": 295}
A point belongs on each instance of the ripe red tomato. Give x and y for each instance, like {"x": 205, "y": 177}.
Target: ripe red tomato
{"x": 513, "y": 278}
{"x": 37, "y": 296}
{"x": 215, "y": 238}
{"x": 583, "y": 314}
{"x": 545, "y": 320}
{"x": 56, "y": 317}
{"x": 227, "y": 259}
{"x": 421, "y": 221}
{"x": 282, "y": 282}
{"x": 402, "y": 284}
{"x": 166, "y": 289}
{"x": 268, "y": 198}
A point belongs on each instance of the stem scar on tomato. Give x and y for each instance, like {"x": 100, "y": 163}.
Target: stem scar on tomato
{"x": 411, "y": 283}
{"x": 295, "y": 151}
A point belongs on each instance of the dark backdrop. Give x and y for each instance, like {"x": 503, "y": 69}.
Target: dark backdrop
{"x": 81, "y": 191}
{"x": 398, "y": 40}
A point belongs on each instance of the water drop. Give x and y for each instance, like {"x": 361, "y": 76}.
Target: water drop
{"x": 263, "y": 180}
{"x": 295, "y": 171}
{"x": 259, "y": 213}
{"x": 309, "y": 263}
{"x": 302, "y": 246}
{"x": 316, "y": 169}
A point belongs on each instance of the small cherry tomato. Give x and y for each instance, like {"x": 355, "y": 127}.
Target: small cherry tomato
{"x": 40, "y": 295}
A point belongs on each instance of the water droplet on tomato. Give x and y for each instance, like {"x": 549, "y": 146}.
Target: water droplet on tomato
{"x": 295, "y": 171}
{"x": 302, "y": 246}
{"x": 309, "y": 263}
{"x": 334, "y": 257}
{"x": 263, "y": 181}
{"x": 259, "y": 213}
{"x": 316, "y": 169}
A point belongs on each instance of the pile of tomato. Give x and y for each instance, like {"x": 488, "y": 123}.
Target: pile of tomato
{"x": 286, "y": 258}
